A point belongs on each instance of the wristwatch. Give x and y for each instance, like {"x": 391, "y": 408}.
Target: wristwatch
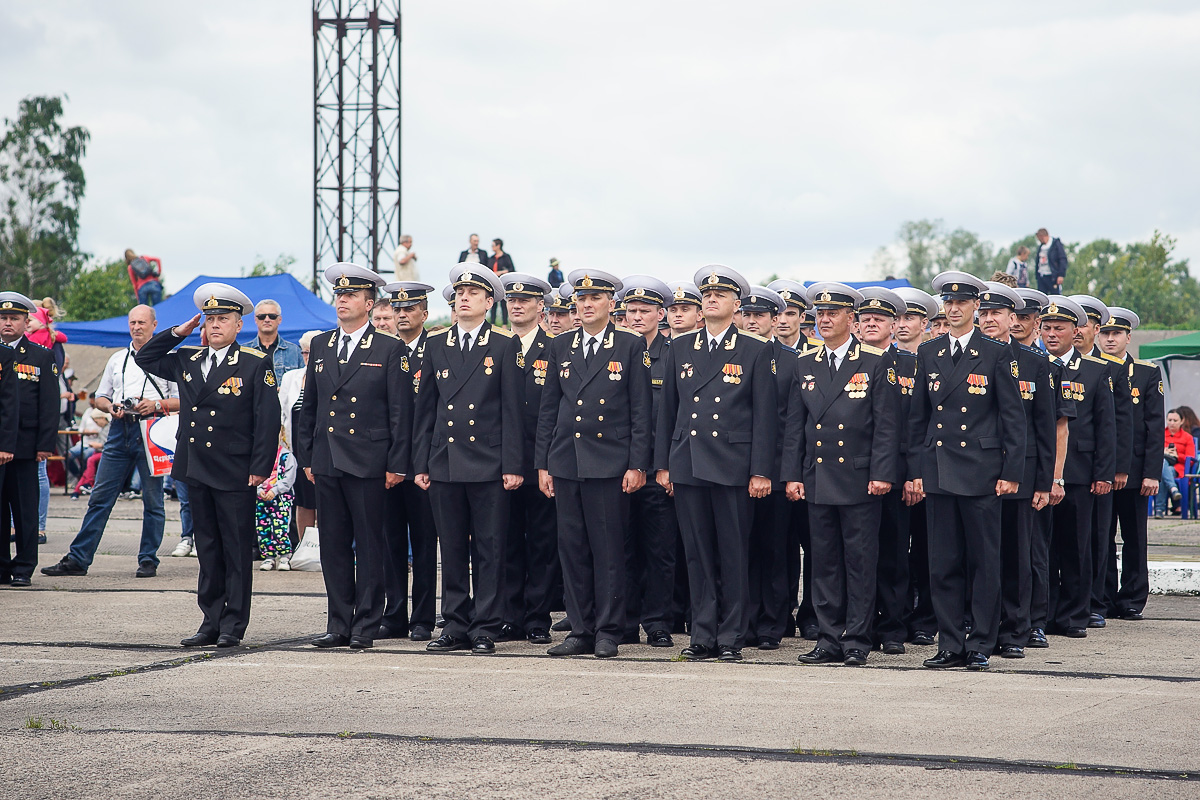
{"x": 1059, "y": 482}
{"x": 158, "y": 406}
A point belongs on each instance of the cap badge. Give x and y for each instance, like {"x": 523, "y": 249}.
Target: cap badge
{"x": 7, "y": 304}
{"x": 954, "y": 287}
{"x": 639, "y": 292}
{"x": 1052, "y": 309}
{"x": 403, "y": 295}
{"x": 211, "y": 302}
{"x": 518, "y": 287}
{"x": 466, "y": 276}
{"x": 987, "y": 295}
{"x": 824, "y": 297}
{"x": 1112, "y": 320}
{"x": 587, "y": 282}
{"x": 785, "y": 294}
{"x": 680, "y": 294}
{"x": 712, "y": 278}
{"x": 343, "y": 281}
{"x": 874, "y": 303}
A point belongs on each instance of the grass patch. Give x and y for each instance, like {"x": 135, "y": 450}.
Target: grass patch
{"x": 34, "y": 723}
{"x": 1068, "y": 765}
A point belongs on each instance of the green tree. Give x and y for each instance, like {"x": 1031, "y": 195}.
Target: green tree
{"x": 931, "y": 248}
{"x": 41, "y": 187}
{"x": 1142, "y": 276}
{"x": 281, "y": 266}
{"x": 99, "y": 292}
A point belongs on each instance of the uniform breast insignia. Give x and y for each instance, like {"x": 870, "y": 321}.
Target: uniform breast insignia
{"x": 1073, "y": 390}
{"x": 269, "y": 378}
{"x": 941, "y": 352}
{"x": 27, "y": 372}
{"x": 977, "y": 384}
{"x": 974, "y": 353}
{"x": 646, "y": 359}
{"x": 187, "y": 376}
{"x": 444, "y": 374}
{"x": 614, "y": 370}
{"x": 907, "y": 384}
{"x": 488, "y": 362}
{"x": 1110, "y": 384}
{"x": 1015, "y": 372}
{"x": 934, "y": 383}
{"x": 733, "y": 372}
{"x": 686, "y": 370}
{"x": 608, "y": 342}
{"x": 539, "y": 371}
{"x": 320, "y": 367}
{"x": 732, "y": 341}
{"x": 520, "y": 361}
{"x": 483, "y": 337}
{"x": 417, "y": 382}
{"x": 1135, "y": 393}
{"x": 857, "y": 386}
{"x": 404, "y": 363}
{"x": 773, "y": 372}
{"x": 809, "y": 383}
{"x": 366, "y": 343}
{"x": 891, "y": 376}
{"x": 1160, "y": 388}
{"x": 564, "y": 370}
{"x": 233, "y": 357}
{"x": 231, "y": 386}
{"x": 1027, "y": 389}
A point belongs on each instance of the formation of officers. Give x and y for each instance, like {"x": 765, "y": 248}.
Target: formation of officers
{"x": 946, "y": 471}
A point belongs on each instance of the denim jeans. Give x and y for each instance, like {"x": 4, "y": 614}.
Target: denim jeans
{"x": 1165, "y": 485}
{"x": 185, "y": 509}
{"x": 123, "y": 453}
{"x": 77, "y": 458}
{"x": 150, "y": 294}
{"x": 43, "y": 495}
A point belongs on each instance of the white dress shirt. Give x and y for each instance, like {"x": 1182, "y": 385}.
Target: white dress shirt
{"x": 838, "y": 354}
{"x": 709, "y": 337}
{"x": 208, "y": 359}
{"x": 474, "y": 333}
{"x": 355, "y": 337}
{"x": 963, "y": 341}
{"x": 123, "y": 378}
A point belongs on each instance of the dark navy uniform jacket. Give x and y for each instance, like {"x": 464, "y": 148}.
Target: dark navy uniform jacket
{"x": 535, "y": 369}
{"x": 467, "y": 427}
{"x": 842, "y": 431}
{"x": 1146, "y": 398}
{"x": 595, "y": 419}
{"x": 229, "y": 424}
{"x": 1092, "y": 440}
{"x": 1122, "y": 409}
{"x": 37, "y": 399}
{"x": 720, "y": 415}
{"x": 1043, "y": 408}
{"x": 967, "y": 424}
{"x": 10, "y": 405}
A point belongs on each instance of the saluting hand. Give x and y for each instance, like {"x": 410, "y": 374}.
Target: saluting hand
{"x": 185, "y": 330}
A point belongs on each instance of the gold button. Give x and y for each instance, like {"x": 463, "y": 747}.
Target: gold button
{"x": 715, "y": 416}
{"x": 840, "y": 460}
{"x": 939, "y": 408}
{"x": 449, "y": 423}
{"x": 195, "y": 408}
{"x": 600, "y": 419}
{"x": 353, "y": 399}
{"x": 714, "y": 434}
{"x": 577, "y": 436}
{"x": 212, "y": 413}
{"x": 716, "y": 399}
{"x": 578, "y": 402}
{"x": 352, "y": 430}
{"x": 450, "y": 407}
{"x": 818, "y": 461}
{"x": 693, "y": 433}
{"x": 818, "y": 426}
{"x": 351, "y": 415}
{"x": 818, "y": 444}
{"x": 472, "y": 438}
{"x": 470, "y": 406}
{"x": 192, "y": 439}
{"x": 334, "y": 397}
{"x": 579, "y": 419}
{"x": 694, "y": 416}
{"x": 695, "y": 399}
{"x": 840, "y": 444}
{"x": 601, "y": 401}
{"x": 599, "y": 435}
{"x": 840, "y": 426}
{"x": 470, "y": 422}
{"x": 450, "y": 440}
{"x": 964, "y": 408}
{"x": 962, "y": 444}
{"x": 331, "y": 413}
{"x": 210, "y": 427}
{"x": 208, "y": 444}
{"x": 193, "y": 424}
{"x": 331, "y": 429}
{"x": 939, "y": 444}
{"x": 964, "y": 427}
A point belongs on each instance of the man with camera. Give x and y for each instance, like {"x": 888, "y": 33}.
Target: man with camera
{"x": 130, "y": 395}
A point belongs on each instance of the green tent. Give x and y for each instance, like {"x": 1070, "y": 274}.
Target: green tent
{"x": 1186, "y": 345}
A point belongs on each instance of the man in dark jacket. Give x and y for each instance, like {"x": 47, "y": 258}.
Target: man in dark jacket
{"x": 1051, "y": 263}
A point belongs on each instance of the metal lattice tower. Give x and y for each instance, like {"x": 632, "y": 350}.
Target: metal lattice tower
{"x": 356, "y": 133}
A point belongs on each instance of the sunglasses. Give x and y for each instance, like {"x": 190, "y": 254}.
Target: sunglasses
{"x": 266, "y": 316}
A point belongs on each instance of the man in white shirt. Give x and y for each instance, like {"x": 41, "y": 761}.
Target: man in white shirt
{"x": 130, "y": 395}
{"x": 405, "y": 260}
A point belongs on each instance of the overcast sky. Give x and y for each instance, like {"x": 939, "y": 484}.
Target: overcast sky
{"x": 632, "y": 136}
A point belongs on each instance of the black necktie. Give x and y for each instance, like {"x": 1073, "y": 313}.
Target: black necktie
{"x": 712, "y": 344}
{"x": 466, "y": 343}
{"x": 591, "y": 351}
{"x": 212, "y": 367}
{"x": 344, "y": 350}
{"x": 832, "y": 365}
{"x": 956, "y": 352}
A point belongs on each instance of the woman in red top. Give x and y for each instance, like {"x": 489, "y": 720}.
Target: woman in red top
{"x": 1178, "y": 444}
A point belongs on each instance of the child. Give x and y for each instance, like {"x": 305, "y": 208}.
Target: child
{"x": 273, "y": 511}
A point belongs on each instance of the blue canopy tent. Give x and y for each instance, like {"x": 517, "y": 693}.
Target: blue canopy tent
{"x": 302, "y": 311}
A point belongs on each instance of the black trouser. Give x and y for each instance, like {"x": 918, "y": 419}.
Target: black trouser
{"x": 1070, "y": 573}
{"x": 531, "y": 567}
{"x": 920, "y": 604}
{"x": 1102, "y": 521}
{"x": 715, "y": 523}
{"x": 892, "y": 594}
{"x": 224, "y": 531}
{"x": 407, "y": 524}
{"x": 799, "y": 565}
{"x": 769, "y": 606}
{"x": 651, "y": 540}
{"x": 503, "y": 309}
{"x": 353, "y": 552}
{"x": 845, "y": 541}
{"x": 472, "y": 523}
{"x": 593, "y": 515}
{"x": 1018, "y": 521}
{"x": 1039, "y": 567}
{"x": 19, "y": 509}
{"x": 681, "y": 595}
{"x": 1129, "y": 509}
{"x": 964, "y": 567}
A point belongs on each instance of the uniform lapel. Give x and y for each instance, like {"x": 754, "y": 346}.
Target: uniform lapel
{"x": 957, "y": 373}
{"x": 355, "y": 358}
{"x": 469, "y": 361}
{"x": 223, "y": 372}
{"x": 604, "y": 349}
{"x": 536, "y": 350}
{"x": 713, "y": 361}
{"x": 834, "y": 385}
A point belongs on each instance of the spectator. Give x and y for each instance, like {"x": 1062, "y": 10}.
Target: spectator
{"x": 284, "y": 354}
{"x": 501, "y": 262}
{"x": 131, "y": 395}
{"x": 291, "y": 398}
{"x": 1178, "y": 446}
{"x": 1018, "y": 267}
{"x": 89, "y": 477}
{"x": 273, "y": 511}
{"x": 555, "y": 278}
{"x": 93, "y": 429}
{"x": 146, "y": 276}
{"x": 1005, "y": 278}
{"x": 472, "y": 255}
{"x": 1051, "y": 263}
{"x": 1190, "y": 421}
{"x": 405, "y": 260}
{"x": 383, "y": 318}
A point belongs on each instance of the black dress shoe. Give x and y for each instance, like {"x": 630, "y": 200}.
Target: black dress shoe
{"x": 41, "y": 538}
{"x": 562, "y": 625}
{"x": 228, "y": 640}
{"x": 482, "y": 646}
{"x": 1075, "y": 633}
{"x": 730, "y": 653}
{"x": 1096, "y": 621}
{"x": 1012, "y": 651}
{"x": 768, "y": 643}
{"x": 420, "y": 634}
{"x": 893, "y": 648}
{"x": 20, "y": 581}
{"x": 146, "y": 570}
{"x": 1131, "y": 615}
{"x": 976, "y": 661}
{"x": 388, "y": 632}
{"x": 447, "y": 643}
{"x": 810, "y": 632}
{"x": 922, "y": 638}
{"x": 509, "y": 633}
{"x": 819, "y": 655}
{"x": 855, "y": 658}
{"x": 331, "y": 640}
{"x": 538, "y": 636}
{"x": 199, "y": 639}
{"x": 440, "y": 622}
{"x": 945, "y": 658}
{"x": 605, "y": 648}
{"x": 66, "y": 566}
{"x": 698, "y": 652}
{"x": 360, "y": 642}
{"x": 659, "y": 638}
{"x": 573, "y": 646}
{"x": 1037, "y": 638}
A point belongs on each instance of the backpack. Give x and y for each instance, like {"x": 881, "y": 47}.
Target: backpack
{"x": 143, "y": 268}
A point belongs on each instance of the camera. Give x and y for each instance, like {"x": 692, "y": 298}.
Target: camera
{"x": 130, "y": 406}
